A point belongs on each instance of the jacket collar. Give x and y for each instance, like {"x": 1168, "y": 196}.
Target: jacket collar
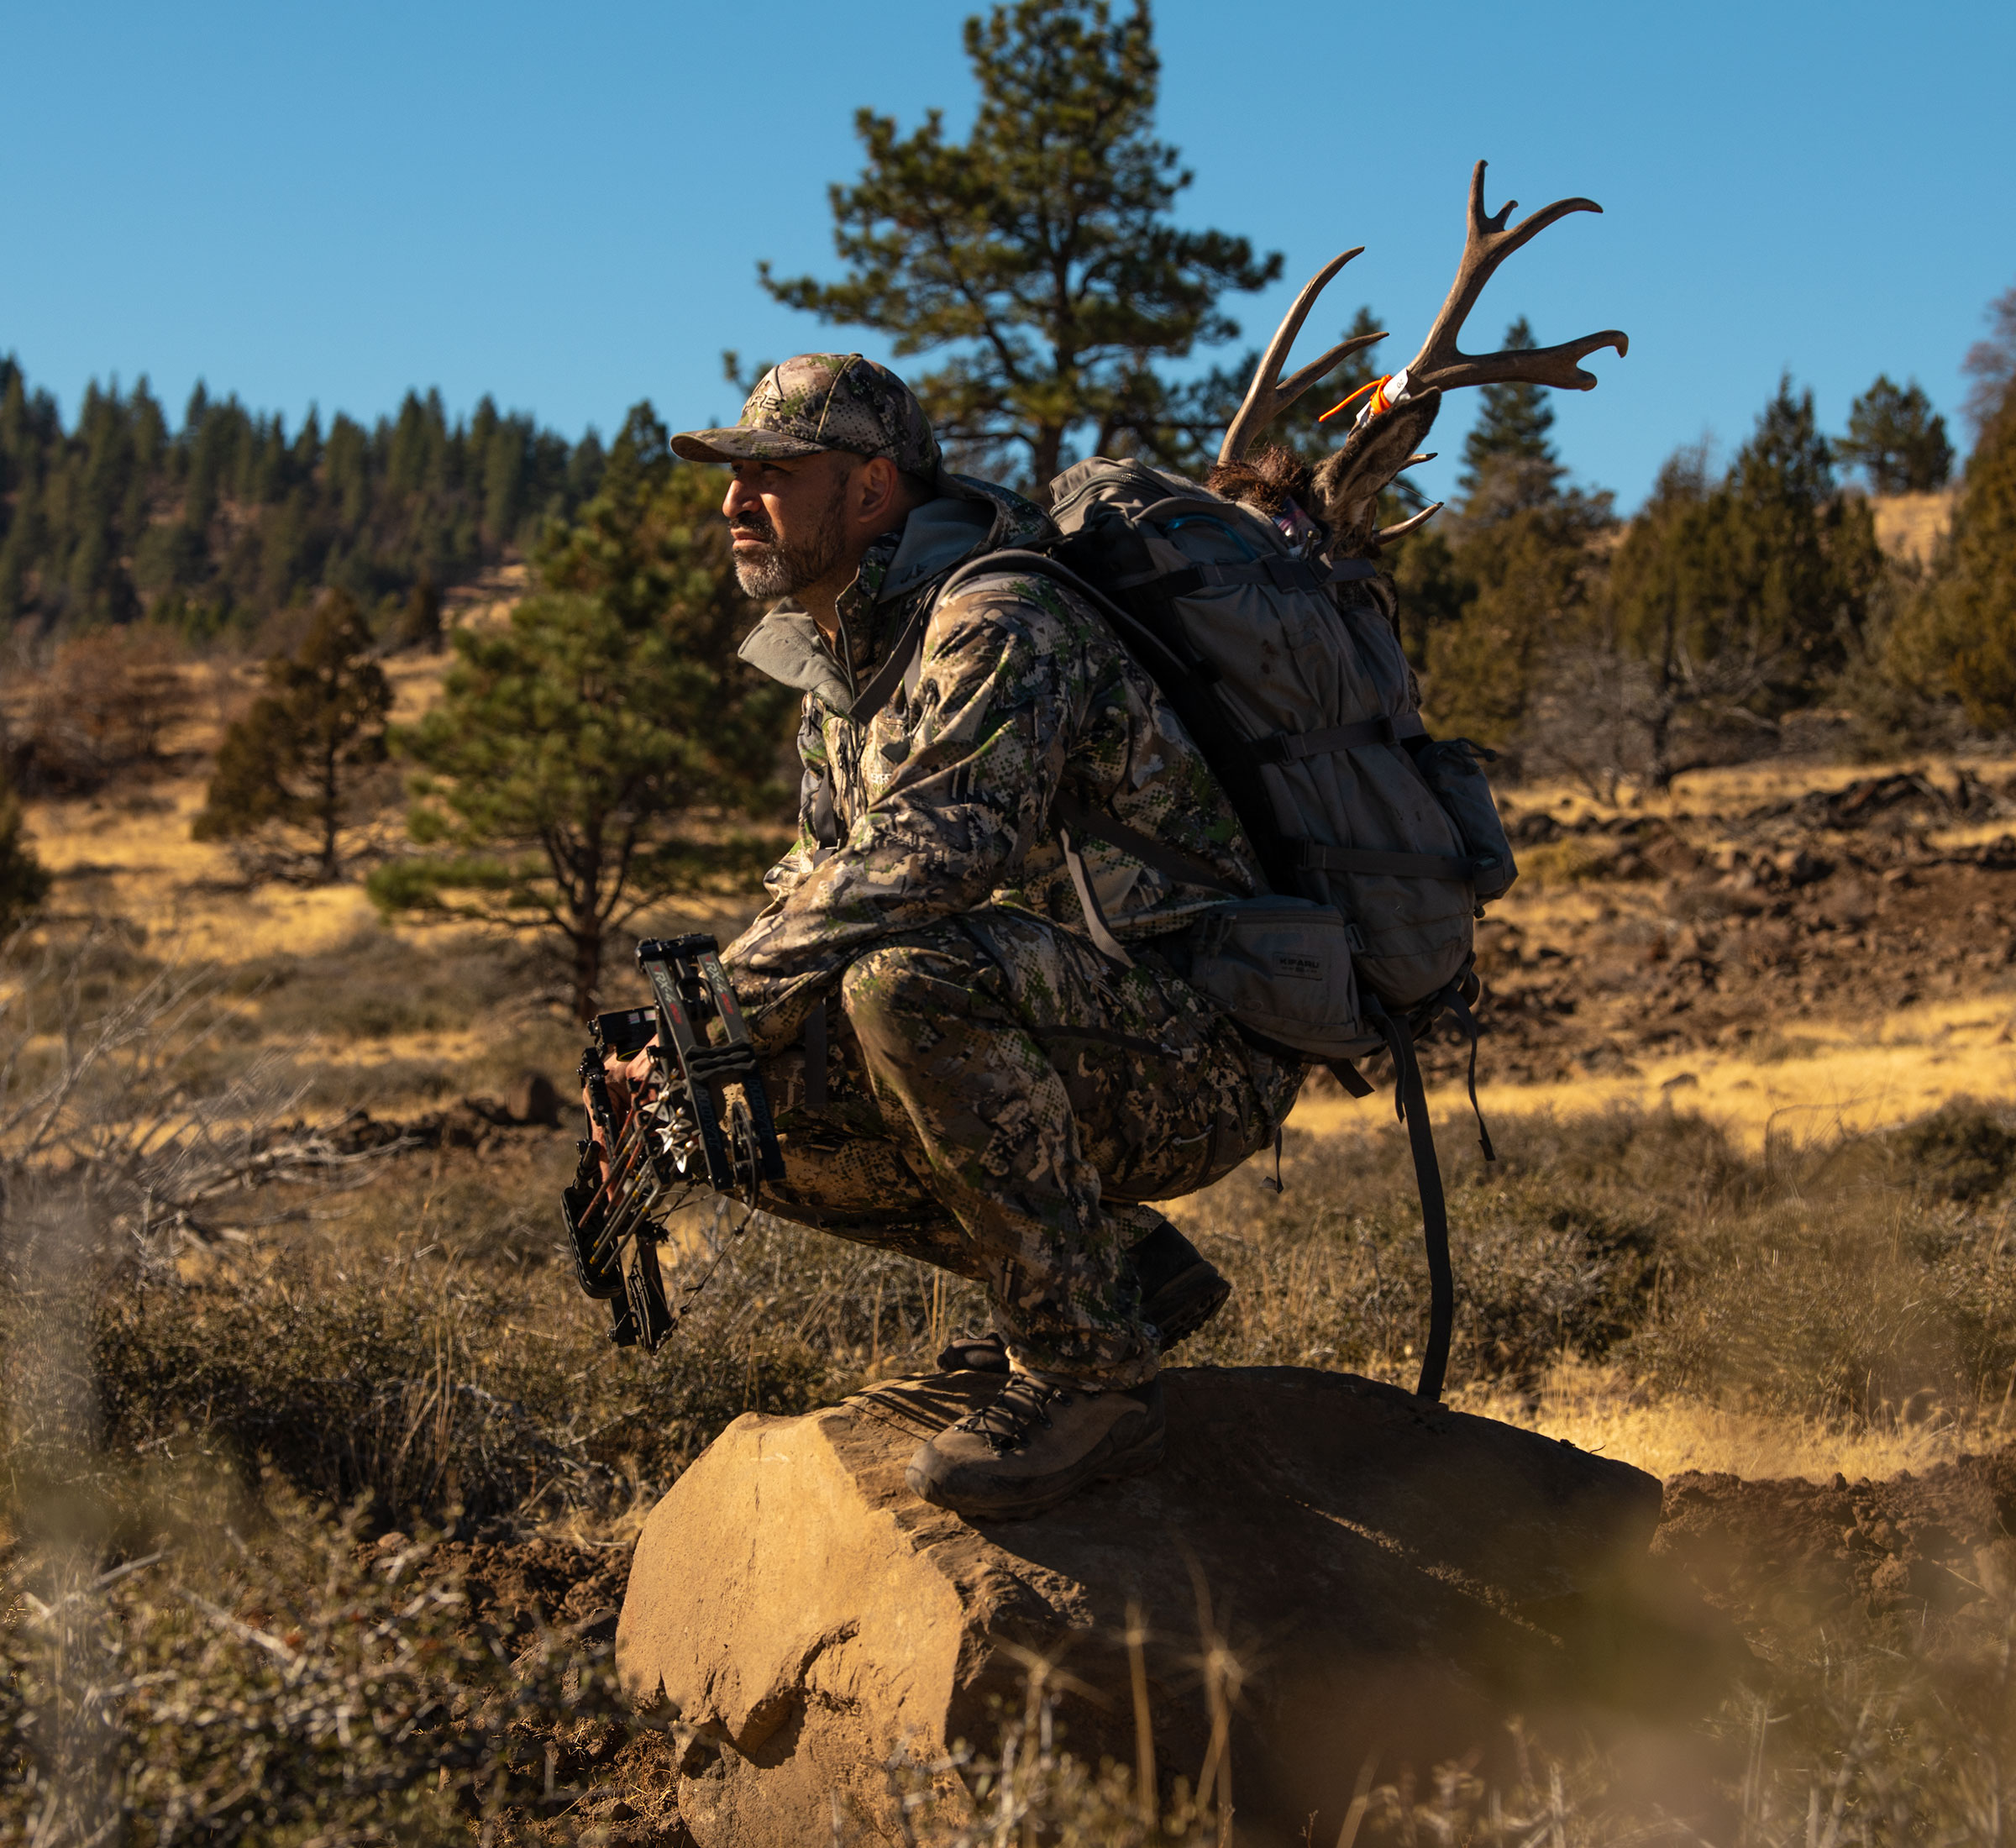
{"x": 899, "y": 569}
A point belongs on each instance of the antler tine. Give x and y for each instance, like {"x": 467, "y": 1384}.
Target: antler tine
{"x": 1386, "y": 535}
{"x": 1441, "y": 363}
{"x": 1266, "y": 397}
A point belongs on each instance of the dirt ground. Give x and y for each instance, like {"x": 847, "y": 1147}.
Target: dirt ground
{"x": 1935, "y": 1542}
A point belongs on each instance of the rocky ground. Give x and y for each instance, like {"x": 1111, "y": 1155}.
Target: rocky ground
{"x": 1637, "y": 935}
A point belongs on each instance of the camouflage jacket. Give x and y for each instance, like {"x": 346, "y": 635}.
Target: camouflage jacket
{"x": 940, "y": 802}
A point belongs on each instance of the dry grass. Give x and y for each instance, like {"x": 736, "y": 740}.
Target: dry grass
{"x": 1822, "y": 1077}
{"x": 1603, "y": 1410}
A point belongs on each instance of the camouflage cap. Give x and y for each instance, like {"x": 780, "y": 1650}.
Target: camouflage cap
{"x": 824, "y": 401}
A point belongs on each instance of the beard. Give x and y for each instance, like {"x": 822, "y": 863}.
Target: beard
{"x": 775, "y": 568}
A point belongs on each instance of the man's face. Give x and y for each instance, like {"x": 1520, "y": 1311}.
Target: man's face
{"x": 787, "y": 521}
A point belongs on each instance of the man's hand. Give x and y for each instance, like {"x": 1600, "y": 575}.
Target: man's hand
{"x": 629, "y": 1081}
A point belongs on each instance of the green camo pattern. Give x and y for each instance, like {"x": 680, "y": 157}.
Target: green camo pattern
{"x": 1002, "y": 1096}
{"x": 943, "y": 797}
{"x": 1001, "y": 1100}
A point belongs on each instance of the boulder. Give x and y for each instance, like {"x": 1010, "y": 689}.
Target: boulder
{"x": 1390, "y": 1576}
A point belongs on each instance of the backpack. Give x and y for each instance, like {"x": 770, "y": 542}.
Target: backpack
{"x": 1380, "y": 845}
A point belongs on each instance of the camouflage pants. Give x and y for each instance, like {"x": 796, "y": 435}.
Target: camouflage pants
{"x": 1001, "y": 1099}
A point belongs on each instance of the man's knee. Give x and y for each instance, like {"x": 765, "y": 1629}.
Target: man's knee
{"x": 891, "y": 992}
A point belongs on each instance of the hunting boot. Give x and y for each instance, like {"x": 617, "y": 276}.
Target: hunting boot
{"x": 1034, "y": 1444}
{"x": 1181, "y": 1289}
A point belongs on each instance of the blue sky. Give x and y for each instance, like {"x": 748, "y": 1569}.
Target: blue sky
{"x": 564, "y": 206}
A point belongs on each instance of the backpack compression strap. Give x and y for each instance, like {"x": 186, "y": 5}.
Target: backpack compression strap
{"x": 1278, "y": 573}
{"x": 1411, "y": 1101}
{"x": 1291, "y": 747}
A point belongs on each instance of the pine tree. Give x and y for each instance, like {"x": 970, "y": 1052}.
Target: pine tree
{"x": 1511, "y": 577}
{"x": 1797, "y": 561}
{"x": 24, "y": 880}
{"x": 232, "y": 519}
{"x": 1745, "y": 597}
{"x": 296, "y": 763}
{"x": 1041, "y": 251}
{"x": 567, "y": 749}
{"x": 1509, "y": 460}
{"x": 1513, "y": 588}
{"x": 1898, "y": 439}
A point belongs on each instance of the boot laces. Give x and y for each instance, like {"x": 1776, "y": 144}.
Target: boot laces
{"x": 1020, "y": 1406}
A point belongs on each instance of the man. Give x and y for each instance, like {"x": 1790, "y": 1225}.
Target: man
{"x": 958, "y": 1072}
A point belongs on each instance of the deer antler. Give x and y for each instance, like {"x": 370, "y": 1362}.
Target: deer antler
{"x": 1267, "y": 398}
{"x": 1442, "y": 365}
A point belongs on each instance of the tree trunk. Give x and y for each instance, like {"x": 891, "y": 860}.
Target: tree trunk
{"x": 587, "y": 971}
{"x": 584, "y": 890}
{"x": 330, "y": 803}
{"x": 1044, "y": 457}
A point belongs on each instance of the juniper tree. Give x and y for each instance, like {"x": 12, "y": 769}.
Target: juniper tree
{"x": 1038, "y": 253}
{"x": 1992, "y": 363}
{"x": 289, "y": 773}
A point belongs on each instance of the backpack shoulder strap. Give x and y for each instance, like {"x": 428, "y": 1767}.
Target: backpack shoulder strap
{"x": 903, "y": 651}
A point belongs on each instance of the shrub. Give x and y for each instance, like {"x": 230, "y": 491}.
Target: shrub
{"x": 23, "y": 879}
{"x": 107, "y": 703}
{"x": 295, "y": 773}
{"x": 244, "y": 1670}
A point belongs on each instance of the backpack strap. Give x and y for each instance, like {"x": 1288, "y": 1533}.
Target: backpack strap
{"x": 1276, "y": 572}
{"x": 1096, "y": 926}
{"x": 1172, "y": 861}
{"x": 1291, "y": 747}
{"x": 1458, "y": 869}
{"x": 1073, "y": 818}
{"x": 895, "y": 664}
{"x": 1188, "y": 682}
{"x": 1410, "y": 1100}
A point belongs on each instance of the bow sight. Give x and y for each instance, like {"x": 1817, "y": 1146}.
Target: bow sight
{"x": 701, "y": 1120}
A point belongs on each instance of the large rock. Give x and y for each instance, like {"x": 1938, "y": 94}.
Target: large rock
{"x": 1393, "y": 1576}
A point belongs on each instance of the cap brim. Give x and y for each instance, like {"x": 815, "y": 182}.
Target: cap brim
{"x": 741, "y": 445}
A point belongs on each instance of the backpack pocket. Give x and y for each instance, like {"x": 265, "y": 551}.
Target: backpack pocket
{"x": 1449, "y": 767}
{"x": 1282, "y": 968}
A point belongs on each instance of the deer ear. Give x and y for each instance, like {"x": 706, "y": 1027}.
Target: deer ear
{"x": 1348, "y": 480}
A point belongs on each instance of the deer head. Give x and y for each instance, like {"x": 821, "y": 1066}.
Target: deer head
{"x": 1387, "y": 436}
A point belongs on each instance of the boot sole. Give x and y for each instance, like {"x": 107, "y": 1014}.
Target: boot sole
{"x": 1136, "y": 1457}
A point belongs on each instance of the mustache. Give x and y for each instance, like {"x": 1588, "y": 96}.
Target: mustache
{"x": 753, "y": 524}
